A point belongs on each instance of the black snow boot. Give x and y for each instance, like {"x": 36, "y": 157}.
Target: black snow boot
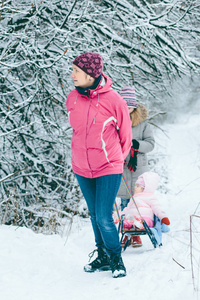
{"x": 101, "y": 263}
{"x": 117, "y": 265}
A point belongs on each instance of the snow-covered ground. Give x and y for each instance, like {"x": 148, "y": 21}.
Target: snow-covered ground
{"x": 39, "y": 267}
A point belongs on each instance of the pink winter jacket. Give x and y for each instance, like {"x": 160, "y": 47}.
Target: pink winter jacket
{"x": 101, "y": 131}
{"x": 146, "y": 201}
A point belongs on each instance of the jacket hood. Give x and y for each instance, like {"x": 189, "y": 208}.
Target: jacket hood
{"x": 139, "y": 115}
{"x": 104, "y": 86}
{"x": 151, "y": 181}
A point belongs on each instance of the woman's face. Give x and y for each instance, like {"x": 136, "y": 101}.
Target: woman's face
{"x": 81, "y": 78}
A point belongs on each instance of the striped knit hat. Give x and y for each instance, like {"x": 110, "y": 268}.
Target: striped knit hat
{"x": 128, "y": 94}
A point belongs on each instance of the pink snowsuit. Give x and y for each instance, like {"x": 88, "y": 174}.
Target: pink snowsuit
{"x": 101, "y": 131}
{"x": 147, "y": 203}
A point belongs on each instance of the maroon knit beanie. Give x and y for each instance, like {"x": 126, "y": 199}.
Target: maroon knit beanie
{"x": 90, "y": 63}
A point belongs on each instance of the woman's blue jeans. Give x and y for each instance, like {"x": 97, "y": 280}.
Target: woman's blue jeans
{"x": 100, "y": 194}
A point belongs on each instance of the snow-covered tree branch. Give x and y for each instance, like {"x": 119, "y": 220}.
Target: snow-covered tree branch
{"x": 143, "y": 43}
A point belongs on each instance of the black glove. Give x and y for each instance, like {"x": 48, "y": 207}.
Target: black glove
{"x": 132, "y": 164}
{"x": 135, "y": 144}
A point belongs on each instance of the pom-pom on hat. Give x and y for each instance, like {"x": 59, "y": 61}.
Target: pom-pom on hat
{"x": 128, "y": 94}
{"x": 91, "y": 63}
{"x": 140, "y": 181}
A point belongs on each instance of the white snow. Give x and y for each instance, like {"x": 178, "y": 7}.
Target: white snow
{"x": 118, "y": 273}
{"x": 40, "y": 267}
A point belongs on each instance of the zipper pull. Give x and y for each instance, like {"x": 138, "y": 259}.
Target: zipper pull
{"x": 94, "y": 121}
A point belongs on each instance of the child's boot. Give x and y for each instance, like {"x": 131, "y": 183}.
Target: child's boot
{"x": 136, "y": 241}
{"x": 123, "y": 243}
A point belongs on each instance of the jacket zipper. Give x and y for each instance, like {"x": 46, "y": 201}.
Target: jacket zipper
{"x": 87, "y": 132}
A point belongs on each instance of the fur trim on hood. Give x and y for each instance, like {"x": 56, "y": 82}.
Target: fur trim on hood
{"x": 139, "y": 115}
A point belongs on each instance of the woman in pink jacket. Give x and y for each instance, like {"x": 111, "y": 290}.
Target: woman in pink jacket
{"x": 147, "y": 204}
{"x": 101, "y": 141}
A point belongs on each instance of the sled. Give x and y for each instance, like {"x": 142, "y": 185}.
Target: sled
{"x": 154, "y": 233}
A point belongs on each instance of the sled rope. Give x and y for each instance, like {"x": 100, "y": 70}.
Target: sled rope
{"x": 131, "y": 195}
{"x": 117, "y": 211}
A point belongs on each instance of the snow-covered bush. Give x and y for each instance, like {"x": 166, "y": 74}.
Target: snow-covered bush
{"x": 143, "y": 43}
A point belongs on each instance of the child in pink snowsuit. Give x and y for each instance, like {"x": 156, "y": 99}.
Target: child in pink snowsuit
{"x": 147, "y": 204}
